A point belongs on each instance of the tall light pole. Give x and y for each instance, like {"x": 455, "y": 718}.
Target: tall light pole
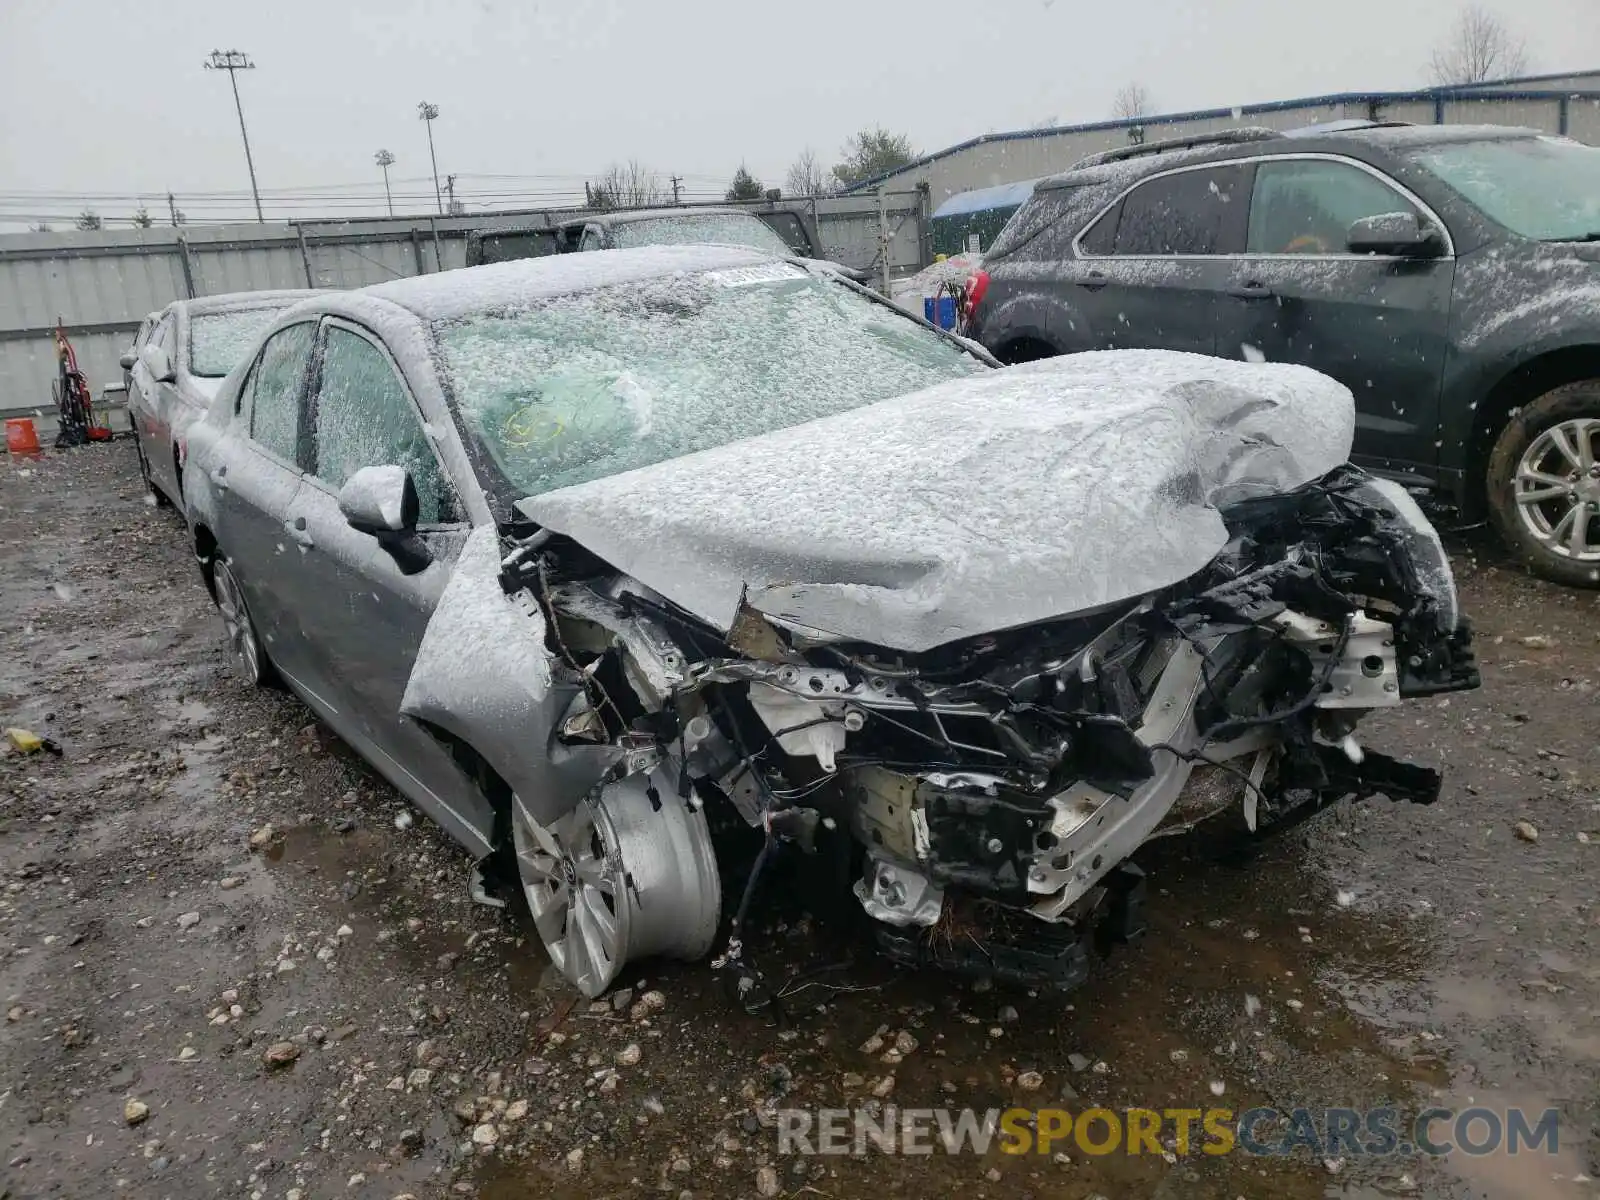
{"x": 427, "y": 113}
{"x": 385, "y": 160}
{"x": 234, "y": 61}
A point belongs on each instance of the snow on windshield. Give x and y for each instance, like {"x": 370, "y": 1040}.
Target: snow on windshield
{"x": 727, "y": 229}
{"x": 218, "y": 342}
{"x": 578, "y": 387}
{"x": 1546, "y": 188}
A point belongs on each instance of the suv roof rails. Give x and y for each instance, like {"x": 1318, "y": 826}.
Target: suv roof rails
{"x": 1223, "y": 137}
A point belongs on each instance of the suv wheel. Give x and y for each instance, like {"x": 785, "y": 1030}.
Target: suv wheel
{"x": 1544, "y": 484}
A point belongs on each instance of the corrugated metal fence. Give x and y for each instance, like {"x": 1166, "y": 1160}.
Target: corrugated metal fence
{"x": 100, "y": 284}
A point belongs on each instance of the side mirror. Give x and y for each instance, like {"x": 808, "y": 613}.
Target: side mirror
{"x": 379, "y": 500}
{"x": 159, "y": 363}
{"x": 1398, "y": 233}
{"x": 128, "y": 359}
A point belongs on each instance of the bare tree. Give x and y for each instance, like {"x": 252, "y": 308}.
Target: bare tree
{"x": 629, "y": 185}
{"x": 89, "y": 219}
{"x": 1131, "y": 101}
{"x": 1478, "y": 49}
{"x": 142, "y": 218}
{"x": 805, "y": 178}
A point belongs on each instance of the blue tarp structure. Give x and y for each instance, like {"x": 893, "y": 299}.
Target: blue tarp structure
{"x": 983, "y": 211}
{"x": 1005, "y": 195}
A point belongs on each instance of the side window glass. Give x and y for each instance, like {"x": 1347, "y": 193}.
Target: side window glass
{"x": 1308, "y": 206}
{"x": 365, "y": 418}
{"x": 1191, "y": 212}
{"x": 162, "y": 336}
{"x": 276, "y": 385}
{"x": 1101, "y": 239}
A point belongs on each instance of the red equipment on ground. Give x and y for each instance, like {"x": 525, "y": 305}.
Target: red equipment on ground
{"x": 74, "y": 406}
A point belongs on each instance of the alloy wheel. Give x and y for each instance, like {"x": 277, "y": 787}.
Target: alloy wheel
{"x": 1558, "y": 489}
{"x": 236, "y": 620}
{"x": 627, "y": 874}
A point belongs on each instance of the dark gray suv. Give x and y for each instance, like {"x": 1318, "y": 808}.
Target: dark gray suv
{"x": 1449, "y": 276}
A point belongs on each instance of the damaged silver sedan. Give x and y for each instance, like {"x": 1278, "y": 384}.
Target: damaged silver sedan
{"x": 603, "y": 559}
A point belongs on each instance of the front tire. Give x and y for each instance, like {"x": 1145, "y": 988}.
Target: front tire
{"x": 1544, "y": 484}
{"x": 243, "y": 641}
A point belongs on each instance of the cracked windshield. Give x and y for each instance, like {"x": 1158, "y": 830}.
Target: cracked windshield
{"x": 858, "y": 601}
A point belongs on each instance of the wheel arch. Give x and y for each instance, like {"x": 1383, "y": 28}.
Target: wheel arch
{"x": 1024, "y": 348}
{"x": 1520, "y": 385}
{"x": 205, "y": 551}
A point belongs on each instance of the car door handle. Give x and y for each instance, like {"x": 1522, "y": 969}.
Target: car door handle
{"x": 1251, "y": 291}
{"x": 1093, "y": 281}
{"x": 298, "y": 531}
{"x": 219, "y": 477}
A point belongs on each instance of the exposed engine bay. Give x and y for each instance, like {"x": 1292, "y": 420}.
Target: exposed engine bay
{"x": 992, "y": 790}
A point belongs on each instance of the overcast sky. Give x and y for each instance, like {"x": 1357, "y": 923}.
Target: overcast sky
{"x": 98, "y": 99}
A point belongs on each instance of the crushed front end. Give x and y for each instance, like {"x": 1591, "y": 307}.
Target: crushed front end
{"x": 995, "y": 788}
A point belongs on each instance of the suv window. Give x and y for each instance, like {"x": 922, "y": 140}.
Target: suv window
{"x": 365, "y": 418}
{"x": 1307, "y": 206}
{"x": 1188, "y": 212}
{"x": 275, "y": 388}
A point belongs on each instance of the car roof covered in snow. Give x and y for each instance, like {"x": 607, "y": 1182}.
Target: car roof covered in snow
{"x": 1405, "y": 137}
{"x": 237, "y": 301}
{"x": 1124, "y": 167}
{"x": 628, "y": 216}
{"x": 448, "y": 294}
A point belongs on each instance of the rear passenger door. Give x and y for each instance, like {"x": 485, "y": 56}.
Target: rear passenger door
{"x": 1154, "y": 266}
{"x": 367, "y": 610}
{"x": 1377, "y": 324}
{"x": 255, "y": 474}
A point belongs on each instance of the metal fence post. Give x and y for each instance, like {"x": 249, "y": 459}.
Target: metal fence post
{"x": 885, "y": 271}
{"x": 305, "y": 255}
{"x": 188, "y": 267}
{"x": 433, "y": 228}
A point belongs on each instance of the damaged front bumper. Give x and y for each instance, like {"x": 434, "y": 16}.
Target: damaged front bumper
{"x": 994, "y": 790}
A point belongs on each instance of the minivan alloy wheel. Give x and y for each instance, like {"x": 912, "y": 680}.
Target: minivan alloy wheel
{"x": 628, "y": 873}
{"x": 1558, "y": 489}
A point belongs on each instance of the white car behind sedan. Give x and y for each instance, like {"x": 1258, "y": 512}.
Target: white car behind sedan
{"x": 177, "y": 369}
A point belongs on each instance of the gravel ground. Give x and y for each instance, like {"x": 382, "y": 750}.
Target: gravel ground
{"x": 232, "y": 965}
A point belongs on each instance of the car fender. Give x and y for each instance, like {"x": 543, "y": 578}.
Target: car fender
{"x": 485, "y": 675}
{"x": 199, "y": 496}
{"x": 1552, "y": 323}
{"x": 1031, "y": 312}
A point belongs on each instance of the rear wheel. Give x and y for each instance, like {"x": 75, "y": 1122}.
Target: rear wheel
{"x": 1544, "y": 484}
{"x": 241, "y": 630}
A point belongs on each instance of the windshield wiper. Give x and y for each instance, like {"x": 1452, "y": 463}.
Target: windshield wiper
{"x": 1585, "y": 237}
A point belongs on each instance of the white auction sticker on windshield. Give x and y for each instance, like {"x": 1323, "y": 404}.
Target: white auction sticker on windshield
{"x": 762, "y": 273}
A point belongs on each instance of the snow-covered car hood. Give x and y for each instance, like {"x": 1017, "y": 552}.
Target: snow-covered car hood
{"x": 983, "y": 504}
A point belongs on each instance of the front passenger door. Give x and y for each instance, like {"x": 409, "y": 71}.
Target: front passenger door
{"x": 1378, "y": 324}
{"x": 365, "y": 609}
